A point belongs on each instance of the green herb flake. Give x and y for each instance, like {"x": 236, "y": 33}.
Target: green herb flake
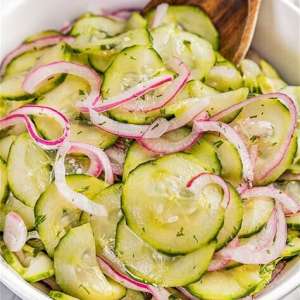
{"x": 180, "y": 233}
{"x": 218, "y": 144}
{"x": 39, "y": 220}
{"x": 84, "y": 288}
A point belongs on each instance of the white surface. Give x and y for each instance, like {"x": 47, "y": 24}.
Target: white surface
{"x": 277, "y": 39}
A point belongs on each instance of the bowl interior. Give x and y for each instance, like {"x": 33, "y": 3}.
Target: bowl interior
{"x": 20, "y": 18}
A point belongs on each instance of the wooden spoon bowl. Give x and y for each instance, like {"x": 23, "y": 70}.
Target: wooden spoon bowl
{"x": 234, "y": 19}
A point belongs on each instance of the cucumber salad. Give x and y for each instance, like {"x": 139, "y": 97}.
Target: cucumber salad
{"x": 136, "y": 162}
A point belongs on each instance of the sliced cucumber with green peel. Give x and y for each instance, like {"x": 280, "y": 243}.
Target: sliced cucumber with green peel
{"x": 11, "y": 86}
{"x": 113, "y": 45}
{"x": 4, "y": 183}
{"x": 5, "y": 144}
{"x": 192, "y": 19}
{"x": 25, "y": 212}
{"x": 268, "y": 70}
{"x": 77, "y": 271}
{"x": 42, "y": 34}
{"x": 224, "y": 76}
{"x": 218, "y": 101}
{"x": 55, "y": 212}
{"x": 292, "y": 247}
{"x": 293, "y": 221}
{"x": 57, "y": 295}
{"x": 34, "y": 165}
{"x": 130, "y": 67}
{"x": 194, "y": 51}
{"x": 104, "y": 228}
{"x": 229, "y": 284}
{"x": 232, "y": 220}
{"x": 207, "y": 155}
{"x": 250, "y": 71}
{"x": 135, "y": 156}
{"x": 270, "y": 85}
{"x": 40, "y": 267}
{"x": 257, "y": 212}
{"x": 231, "y": 165}
{"x": 24, "y": 62}
{"x": 133, "y": 295}
{"x": 135, "y": 21}
{"x": 164, "y": 212}
{"x": 277, "y": 118}
{"x": 103, "y": 26}
{"x": 100, "y": 62}
{"x": 149, "y": 265}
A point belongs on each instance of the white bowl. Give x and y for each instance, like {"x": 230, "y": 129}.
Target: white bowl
{"x": 277, "y": 39}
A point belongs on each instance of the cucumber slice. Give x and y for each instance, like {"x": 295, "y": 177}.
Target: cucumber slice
{"x": 34, "y": 165}
{"x": 163, "y": 212}
{"x": 24, "y": 62}
{"x": 99, "y": 62}
{"x": 229, "y": 284}
{"x": 104, "y": 228}
{"x": 196, "y": 52}
{"x": 5, "y": 144}
{"x": 207, "y": 156}
{"x": 191, "y": 19}
{"x": 53, "y": 211}
{"x": 25, "y": 212}
{"x": 231, "y": 165}
{"x": 56, "y": 295}
{"x": 11, "y": 86}
{"x": 149, "y": 265}
{"x": 103, "y": 26}
{"x": 135, "y": 21}
{"x": 218, "y": 101}
{"x": 136, "y": 155}
{"x": 111, "y": 46}
{"x": 42, "y": 34}
{"x": 133, "y": 295}
{"x": 232, "y": 220}
{"x": 64, "y": 98}
{"x": 40, "y": 267}
{"x": 293, "y": 92}
{"x": 276, "y": 114}
{"x": 224, "y": 76}
{"x": 270, "y": 85}
{"x": 292, "y": 247}
{"x": 131, "y": 66}
{"x": 77, "y": 272}
{"x": 4, "y": 183}
{"x": 293, "y": 221}
{"x": 257, "y": 212}
{"x": 268, "y": 70}
{"x": 250, "y": 71}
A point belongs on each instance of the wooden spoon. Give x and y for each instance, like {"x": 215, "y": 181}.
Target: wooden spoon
{"x": 234, "y": 19}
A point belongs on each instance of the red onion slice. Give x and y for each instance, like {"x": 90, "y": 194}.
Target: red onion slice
{"x": 201, "y": 180}
{"x": 41, "y": 73}
{"x": 157, "y": 292}
{"x": 218, "y": 262}
{"x": 160, "y": 14}
{"x": 170, "y": 92}
{"x": 40, "y": 43}
{"x": 164, "y": 146}
{"x": 129, "y": 95}
{"x": 286, "y": 101}
{"x": 115, "y": 127}
{"x": 79, "y": 200}
{"x": 15, "y": 232}
{"x": 230, "y": 134}
{"x": 21, "y": 115}
{"x": 259, "y": 250}
{"x": 270, "y": 191}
